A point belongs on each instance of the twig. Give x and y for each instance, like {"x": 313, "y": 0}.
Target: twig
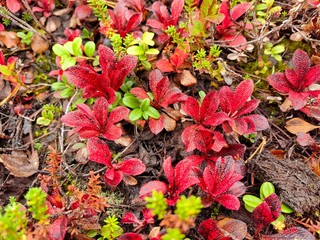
{"x": 61, "y": 139}
{"x": 4, "y": 12}
{"x": 27, "y": 6}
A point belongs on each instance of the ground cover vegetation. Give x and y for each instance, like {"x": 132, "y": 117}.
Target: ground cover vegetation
{"x": 183, "y": 119}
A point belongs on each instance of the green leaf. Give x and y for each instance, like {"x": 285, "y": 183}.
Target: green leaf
{"x": 197, "y": 29}
{"x": 58, "y": 86}
{"x": 146, "y": 65}
{"x": 274, "y": 9}
{"x": 152, "y": 112}
{"x": 135, "y": 114}
{"x": 76, "y": 46}
{"x": 145, "y": 104}
{"x": 135, "y": 50}
{"x": 66, "y": 93}
{"x": 152, "y": 51}
{"x": 251, "y": 202}
{"x": 267, "y": 52}
{"x": 67, "y": 62}
{"x": 261, "y": 6}
{"x": 285, "y": 208}
{"x": 277, "y": 57}
{"x": 60, "y": 51}
{"x": 21, "y": 35}
{"x": 147, "y": 38}
{"x": 266, "y": 190}
{"x": 5, "y": 70}
{"x": 131, "y": 102}
{"x": 216, "y": 18}
{"x": 43, "y": 121}
{"x": 89, "y": 48}
{"x": 278, "y": 49}
{"x": 68, "y": 47}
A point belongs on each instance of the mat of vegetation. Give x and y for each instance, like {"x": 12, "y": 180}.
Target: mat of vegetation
{"x": 183, "y": 119}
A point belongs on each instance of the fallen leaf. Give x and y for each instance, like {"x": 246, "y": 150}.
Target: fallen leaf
{"x": 278, "y": 153}
{"x": 124, "y": 141}
{"x": 9, "y": 39}
{"x": 53, "y": 24}
{"x": 296, "y": 125}
{"x": 169, "y": 123}
{"x": 21, "y": 163}
{"x": 233, "y": 228}
{"x": 186, "y": 78}
{"x": 38, "y": 45}
{"x": 129, "y": 180}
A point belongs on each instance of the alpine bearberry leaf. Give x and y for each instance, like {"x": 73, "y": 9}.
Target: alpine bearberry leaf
{"x": 105, "y": 84}
{"x": 268, "y": 211}
{"x": 88, "y": 123}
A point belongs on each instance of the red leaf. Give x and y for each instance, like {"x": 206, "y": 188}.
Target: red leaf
{"x": 130, "y": 236}
{"x": 221, "y": 180}
{"x": 99, "y": 151}
{"x": 169, "y": 170}
{"x": 113, "y": 177}
{"x": 239, "y": 10}
{"x": 132, "y": 166}
{"x": 235, "y": 39}
{"x": 147, "y": 188}
{"x": 301, "y": 63}
{"x": 92, "y": 124}
{"x": 178, "y": 57}
{"x": 83, "y": 11}
{"x": 164, "y": 65}
{"x": 209, "y": 105}
{"x": 267, "y": 212}
{"x": 191, "y": 108}
{"x": 58, "y": 229}
{"x": 259, "y": 121}
{"x": 279, "y": 82}
{"x": 130, "y": 218}
{"x": 13, "y": 5}
{"x": 297, "y": 233}
{"x": 208, "y": 229}
{"x": 156, "y": 125}
{"x": 105, "y": 84}
{"x": 176, "y": 9}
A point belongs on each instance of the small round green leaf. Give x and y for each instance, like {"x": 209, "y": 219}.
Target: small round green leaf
{"x": 286, "y": 209}
{"x": 131, "y": 102}
{"x": 60, "y": 51}
{"x": 152, "y": 112}
{"x": 145, "y": 104}
{"x": 135, "y": 114}
{"x": 251, "y": 202}
{"x": 135, "y": 50}
{"x": 89, "y": 48}
{"x": 266, "y": 190}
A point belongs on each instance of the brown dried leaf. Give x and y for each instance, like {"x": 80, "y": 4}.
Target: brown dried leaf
{"x": 129, "y": 180}
{"x": 9, "y": 39}
{"x": 233, "y": 228}
{"x": 38, "y": 45}
{"x": 21, "y": 163}
{"x": 186, "y": 78}
{"x": 53, "y": 24}
{"x": 296, "y": 125}
{"x": 169, "y": 123}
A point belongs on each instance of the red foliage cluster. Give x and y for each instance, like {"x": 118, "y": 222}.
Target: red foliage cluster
{"x": 297, "y": 84}
{"x": 163, "y": 96}
{"x": 102, "y": 85}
